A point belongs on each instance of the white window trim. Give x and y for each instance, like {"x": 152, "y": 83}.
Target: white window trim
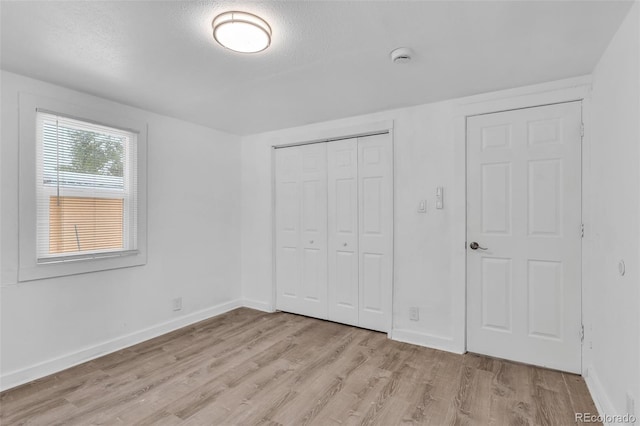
{"x": 44, "y": 192}
{"x": 29, "y": 268}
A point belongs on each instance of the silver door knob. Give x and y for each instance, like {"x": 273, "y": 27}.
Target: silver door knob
{"x": 345, "y": 244}
{"x": 476, "y": 246}
{"x": 311, "y": 242}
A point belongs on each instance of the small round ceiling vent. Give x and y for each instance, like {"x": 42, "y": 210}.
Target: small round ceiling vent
{"x": 401, "y": 55}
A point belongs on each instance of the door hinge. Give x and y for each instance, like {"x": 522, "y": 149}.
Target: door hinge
{"x": 582, "y": 333}
{"x": 582, "y": 230}
{"x": 582, "y": 129}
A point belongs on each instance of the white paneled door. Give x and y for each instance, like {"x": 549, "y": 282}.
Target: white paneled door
{"x": 375, "y": 211}
{"x": 334, "y": 230}
{"x": 301, "y": 230}
{"x": 524, "y": 235}
{"x": 343, "y": 230}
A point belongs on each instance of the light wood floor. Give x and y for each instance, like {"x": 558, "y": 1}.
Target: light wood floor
{"x": 249, "y": 367}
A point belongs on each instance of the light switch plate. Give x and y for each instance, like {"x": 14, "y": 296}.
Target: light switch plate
{"x": 439, "y": 197}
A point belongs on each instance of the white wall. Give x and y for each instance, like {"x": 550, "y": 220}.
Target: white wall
{"x": 612, "y": 302}
{"x": 429, "y": 252}
{"x": 425, "y": 258}
{"x": 429, "y": 258}
{"x": 429, "y": 262}
{"x": 194, "y": 233}
{"x": 193, "y": 249}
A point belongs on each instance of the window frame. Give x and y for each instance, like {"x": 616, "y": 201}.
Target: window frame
{"x": 30, "y": 267}
{"x": 45, "y": 192}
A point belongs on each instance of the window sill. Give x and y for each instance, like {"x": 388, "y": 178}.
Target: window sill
{"x": 87, "y": 256}
{"x": 61, "y": 268}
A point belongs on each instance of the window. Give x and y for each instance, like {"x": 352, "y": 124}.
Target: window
{"x": 86, "y": 177}
{"x": 82, "y": 187}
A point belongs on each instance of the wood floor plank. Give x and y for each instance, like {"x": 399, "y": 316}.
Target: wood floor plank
{"x": 241, "y": 396}
{"x": 201, "y": 384}
{"x": 549, "y": 387}
{"x": 522, "y": 404}
{"x": 325, "y": 385}
{"x": 579, "y": 394}
{"x": 418, "y": 391}
{"x": 356, "y": 396}
{"x": 248, "y": 367}
{"x": 384, "y": 401}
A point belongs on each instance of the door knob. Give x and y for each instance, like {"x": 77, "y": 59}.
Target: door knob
{"x": 476, "y": 246}
{"x": 345, "y": 244}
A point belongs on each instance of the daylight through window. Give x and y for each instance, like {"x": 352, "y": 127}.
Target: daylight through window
{"x": 86, "y": 185}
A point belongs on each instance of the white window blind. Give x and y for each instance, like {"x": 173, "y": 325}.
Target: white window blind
{"x": 86, "y": 189}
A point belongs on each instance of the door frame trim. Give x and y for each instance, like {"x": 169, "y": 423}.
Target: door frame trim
{"x": 552, "y": 93}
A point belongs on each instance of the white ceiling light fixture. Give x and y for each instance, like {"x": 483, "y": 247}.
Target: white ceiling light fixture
{"x": 241, "y": 32}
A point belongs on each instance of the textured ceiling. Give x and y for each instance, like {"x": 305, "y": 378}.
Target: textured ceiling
{"x": 328, "y": 59}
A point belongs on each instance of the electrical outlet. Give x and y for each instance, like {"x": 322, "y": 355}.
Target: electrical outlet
{"x": 177, "y": 304}
{"x": 414, "y": 313}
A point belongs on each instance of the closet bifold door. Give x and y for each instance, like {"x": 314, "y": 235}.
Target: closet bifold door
{"x": 375, "y": 208}
{"x": 342, "y": 160}
{"x": 301, "y": 229}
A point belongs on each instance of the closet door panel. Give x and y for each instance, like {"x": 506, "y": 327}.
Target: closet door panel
{"x": 375, "y": 204}
{"x": 372, "y": 286}
{"x": 334, "y": 230}
{"x": 301, "y": 230}
{"x": 343, "y": 231}
{"x": 314, "y": 229}
{"x": 288, "y": 219}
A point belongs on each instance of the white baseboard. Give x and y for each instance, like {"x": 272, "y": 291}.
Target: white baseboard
{"x": 598, "y": 394}
{"x": 255, "y": 304}
{"x": 25, "y": 375}
{"x": 427, "y": 340}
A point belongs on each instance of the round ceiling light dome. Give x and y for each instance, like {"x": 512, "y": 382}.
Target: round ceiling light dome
{"x": 241, "y": 32}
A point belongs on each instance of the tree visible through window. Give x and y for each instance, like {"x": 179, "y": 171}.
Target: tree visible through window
{"x": 95, "y": 153}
